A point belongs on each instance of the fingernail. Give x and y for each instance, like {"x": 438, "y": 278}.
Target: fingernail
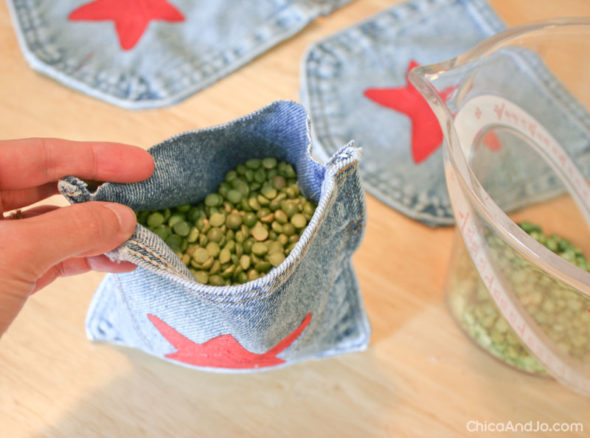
{"x": 125, "y": 215}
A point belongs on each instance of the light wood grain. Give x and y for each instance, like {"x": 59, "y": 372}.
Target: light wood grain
{"x": 419, "y": 377}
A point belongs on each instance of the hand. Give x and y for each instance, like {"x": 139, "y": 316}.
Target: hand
{"x": 43, "y": 243}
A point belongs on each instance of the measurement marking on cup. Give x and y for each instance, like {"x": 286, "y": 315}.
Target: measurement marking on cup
{"x": 465, "y": 221}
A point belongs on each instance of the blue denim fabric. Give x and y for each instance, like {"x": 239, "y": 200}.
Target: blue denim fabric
{"x": 376, "y": 53}
{"x": 316, "y": 280}
{"x": 171, "y": 61}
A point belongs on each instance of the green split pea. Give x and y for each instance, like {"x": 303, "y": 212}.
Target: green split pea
{"x": 560, "y": 311}
{"x": 241, "y": 231}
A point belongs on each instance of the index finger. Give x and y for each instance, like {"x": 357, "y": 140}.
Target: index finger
{"x": 34, "y": 161}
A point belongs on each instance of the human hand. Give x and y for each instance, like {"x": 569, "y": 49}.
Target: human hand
{"x": 43, "y": 243}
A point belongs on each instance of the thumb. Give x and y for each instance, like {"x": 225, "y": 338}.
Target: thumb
{"x": 36, "y": 244}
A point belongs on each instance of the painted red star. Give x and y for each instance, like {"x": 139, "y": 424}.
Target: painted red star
{"x": 492, "y": 142}
{"x": 426, "y": 133}
{"x": 223, "y": 351}
{"x": 131, "y": 17}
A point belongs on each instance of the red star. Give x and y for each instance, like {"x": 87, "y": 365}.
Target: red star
{"x": 426, "y": 133}
{"x": 492, "y": 142}
{"x": 131, "y": 17}
{"x": 223, "y": 351}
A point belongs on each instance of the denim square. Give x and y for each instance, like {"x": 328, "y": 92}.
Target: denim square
{"x": 308, "y": 307}
{"x": 342, "y": 74}
{"x": 147, "y": 54}
{"x": 377, "y": 53}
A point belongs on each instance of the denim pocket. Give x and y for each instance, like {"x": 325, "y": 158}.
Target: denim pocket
{"x": 307, "y": 307}
{"x": 355, "y": 86}
{"x": 347, "y": 78}
{"x": 153, "y": 54}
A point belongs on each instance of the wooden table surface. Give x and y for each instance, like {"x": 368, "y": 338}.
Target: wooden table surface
{"x": 420, "y": 375}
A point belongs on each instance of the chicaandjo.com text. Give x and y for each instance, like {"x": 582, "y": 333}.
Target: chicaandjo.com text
{"x": 522, "y": 426}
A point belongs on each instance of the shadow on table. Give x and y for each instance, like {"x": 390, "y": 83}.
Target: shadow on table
{"x": 344, "y": 396}
{"x": 401, "y": 266}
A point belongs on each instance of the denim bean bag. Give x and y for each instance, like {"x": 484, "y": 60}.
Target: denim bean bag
{"x": 308, "y": 307}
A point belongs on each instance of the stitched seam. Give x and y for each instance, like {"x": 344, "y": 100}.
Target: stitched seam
{"x": 320, "y": 312}
{"x": 154, "y": 263}
{"x": 354, "y": 228}
{"x": 153, "y": 253}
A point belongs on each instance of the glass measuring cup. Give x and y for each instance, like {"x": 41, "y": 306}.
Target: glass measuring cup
{"x": 515, "y": 117}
